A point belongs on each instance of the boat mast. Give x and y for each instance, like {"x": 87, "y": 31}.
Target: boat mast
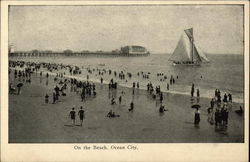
{"x": 192, "y": 40}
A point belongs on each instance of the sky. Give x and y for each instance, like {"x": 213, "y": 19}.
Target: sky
{"x": 218, "y": 29}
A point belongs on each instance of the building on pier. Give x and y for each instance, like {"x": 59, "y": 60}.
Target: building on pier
{"x": 134, "y": 50}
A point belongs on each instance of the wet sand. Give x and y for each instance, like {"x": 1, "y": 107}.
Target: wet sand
{"x": 33, "y": 121}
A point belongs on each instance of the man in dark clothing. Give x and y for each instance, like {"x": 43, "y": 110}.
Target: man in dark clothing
{"x": 81, "y": 115}
{"x": 72, "y": 115}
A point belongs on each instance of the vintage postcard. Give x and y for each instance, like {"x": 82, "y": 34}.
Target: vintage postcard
{"x": 124, "y": 80}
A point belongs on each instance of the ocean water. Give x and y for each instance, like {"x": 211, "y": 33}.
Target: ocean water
{"x": 225, "y": 72}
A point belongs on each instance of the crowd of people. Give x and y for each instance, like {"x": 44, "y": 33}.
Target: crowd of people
{"x": 64, "y": 78}
{"x": 218, "y": 112}
{"x": 219, "y": 109}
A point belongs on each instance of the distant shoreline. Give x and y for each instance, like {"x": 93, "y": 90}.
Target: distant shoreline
{"x": 76, "y": 54}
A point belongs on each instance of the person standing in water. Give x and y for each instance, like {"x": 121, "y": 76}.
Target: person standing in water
{"x": 198, "y": 92}
{"x": 120, "y": 99}
{"x": 192, "y": 90}
{"x": 161, "y": 96}
{"x": 131, "y": 106}
{"x": 81, "y": 115}
{"x": 73, "y": 116}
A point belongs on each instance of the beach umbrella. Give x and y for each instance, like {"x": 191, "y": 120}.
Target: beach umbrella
{"x": 20, "y": 85}
{"x": 196, "y": 106}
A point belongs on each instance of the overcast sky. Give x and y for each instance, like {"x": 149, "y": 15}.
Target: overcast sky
{"x": 217, "y": 29}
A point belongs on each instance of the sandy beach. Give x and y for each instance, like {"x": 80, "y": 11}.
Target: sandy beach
{"x": 31, "y": 120}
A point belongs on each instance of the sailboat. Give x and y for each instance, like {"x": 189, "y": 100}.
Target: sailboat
{"x": 187, "y": 52}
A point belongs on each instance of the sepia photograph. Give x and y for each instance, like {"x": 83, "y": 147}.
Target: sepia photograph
{"x": 128, "y": 76}
{"x": 132, "y": 73}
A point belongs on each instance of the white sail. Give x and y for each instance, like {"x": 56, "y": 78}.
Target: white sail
{"x": 196, "y": 56}
{"x": 182, "y": 51}
{"x": 201, "y": 53}
{"x": 189, "y": 33}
